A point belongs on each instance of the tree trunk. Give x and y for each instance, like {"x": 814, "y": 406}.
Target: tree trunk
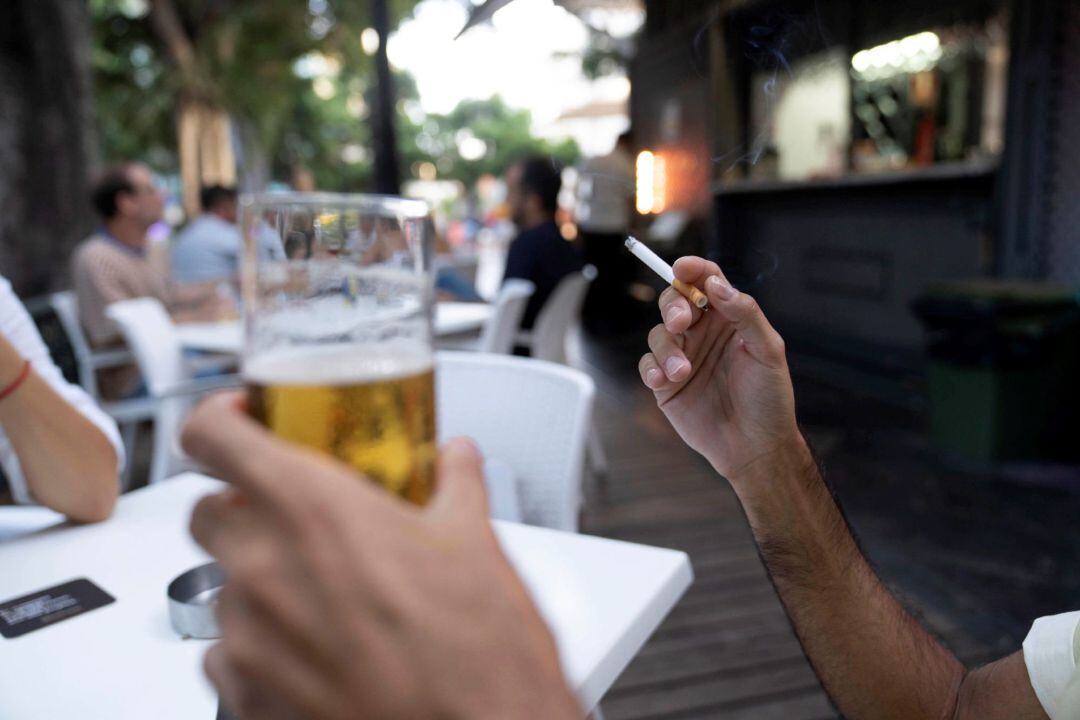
{"x": 47, "y": 142}
{"x": 204, "y": 139}
{"x": 203, "y": 130}
{"x": 387, "y": 173}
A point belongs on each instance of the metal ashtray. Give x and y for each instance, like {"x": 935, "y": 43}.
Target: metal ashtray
{"x": 193, "y": 600}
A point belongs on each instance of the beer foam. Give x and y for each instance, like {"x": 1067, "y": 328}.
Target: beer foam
{"x": 338, "y": 364}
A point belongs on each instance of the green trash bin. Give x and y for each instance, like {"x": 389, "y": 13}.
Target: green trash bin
{"x": 1002, "y": 370}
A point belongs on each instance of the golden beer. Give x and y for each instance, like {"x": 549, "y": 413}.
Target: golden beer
{"x": 375, "y": 413}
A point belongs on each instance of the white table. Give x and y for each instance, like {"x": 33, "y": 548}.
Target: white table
{"x": 601, "y": 598}
{"x": 452, "y": 318}
{"x": 227, "y": 337}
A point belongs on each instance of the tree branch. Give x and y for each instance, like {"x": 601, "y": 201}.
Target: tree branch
{"x": 166, "y": 23}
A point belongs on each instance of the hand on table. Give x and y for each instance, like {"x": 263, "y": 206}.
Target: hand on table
{"x": 344, "y": 602}
{"x": 721, "y": 376}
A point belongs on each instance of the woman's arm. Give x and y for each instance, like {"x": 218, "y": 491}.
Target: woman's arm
{"x": 68, "y": 464}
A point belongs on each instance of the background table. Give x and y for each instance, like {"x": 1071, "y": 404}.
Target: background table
{"x": 451, "y": 318}
{"x": 601, "y": 598}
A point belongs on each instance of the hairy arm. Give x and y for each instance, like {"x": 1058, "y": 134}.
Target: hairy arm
{"x": 874, "y": 659}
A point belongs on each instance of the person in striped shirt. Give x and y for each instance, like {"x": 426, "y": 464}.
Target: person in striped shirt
{"x": 119, "y": 262}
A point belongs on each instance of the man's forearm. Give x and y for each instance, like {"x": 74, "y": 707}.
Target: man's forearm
{"x": 874, "y": 659}
{"x": 197, "y": 302}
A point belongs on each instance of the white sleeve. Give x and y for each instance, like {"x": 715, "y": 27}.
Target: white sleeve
{"x": 1050, "y": 656}
{"x": 19, "y": 329}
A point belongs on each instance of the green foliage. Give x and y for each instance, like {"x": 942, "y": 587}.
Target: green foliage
{"x": 247, "y": 57}
{"x": 505, "y": 132}
{"x": 131, "y": 86}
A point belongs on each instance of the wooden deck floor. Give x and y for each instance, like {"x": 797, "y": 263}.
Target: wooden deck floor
{"x": 965, "y": 555}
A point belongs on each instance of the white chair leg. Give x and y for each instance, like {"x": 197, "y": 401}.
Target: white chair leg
{"x": 166, "y": 424}
{"x": 159, "y": 463}
{"x": 595, "y": 453}
{"x": 596, "y": 714}
{"x": 128, "y": 431}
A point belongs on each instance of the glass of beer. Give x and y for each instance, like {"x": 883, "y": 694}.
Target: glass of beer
{"x": 337, "y": 297}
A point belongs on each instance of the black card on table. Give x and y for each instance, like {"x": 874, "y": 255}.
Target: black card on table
{"x": 49, "y": 606}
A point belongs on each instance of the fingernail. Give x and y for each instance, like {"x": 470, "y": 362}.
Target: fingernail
{"x": 672, "y": 366}
{"x": 652, "y": 375}
{"x": 721, "y": 288}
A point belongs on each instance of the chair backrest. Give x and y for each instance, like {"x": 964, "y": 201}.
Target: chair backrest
{"x": 560, "y": 313}
{"x": 530, "y": 414}
{"x": 151, "y": 335}
{"x": 66, "y": 307}
{"x": 149, "y": 331}
{"x": 505, "y": 321}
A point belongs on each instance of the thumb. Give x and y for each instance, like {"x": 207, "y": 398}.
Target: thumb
{"x": 460, "y": 492}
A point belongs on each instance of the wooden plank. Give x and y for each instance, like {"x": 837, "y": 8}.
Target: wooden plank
{"x": 658, "y": 668}
{"x": 733, "y": 689}
{"x": 798, "y": 705}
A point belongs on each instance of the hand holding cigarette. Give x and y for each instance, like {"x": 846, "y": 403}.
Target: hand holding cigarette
{"x": 664, "y": 270}
{"x": 720, "y": 377}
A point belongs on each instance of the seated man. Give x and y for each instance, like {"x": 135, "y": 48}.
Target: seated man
{"x": 317, "y": 626}
{"x": 539, "y": 253}
{"x": 210, "y": 247}
{"x": 57, "y": 448}
{"x": 118, "y": 262}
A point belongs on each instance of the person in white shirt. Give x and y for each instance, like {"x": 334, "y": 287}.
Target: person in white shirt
{"x": 357, "y": 633}
{"x": 605, "y": 189}
{"x": 604, "y": 194}
{"x": 57, "y": 447}
{"x": 210, "y": 247}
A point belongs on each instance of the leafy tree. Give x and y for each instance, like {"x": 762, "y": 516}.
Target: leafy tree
{"x": 505, "y": 133}
{"x": 134, "y": 100}
{"x": 197, "y": 62}
{"x": 261, "y": 62}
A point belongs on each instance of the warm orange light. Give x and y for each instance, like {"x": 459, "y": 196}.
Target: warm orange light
{"x": 659, "y": 184}
{"x": 651, "y": 183}
{"x": 645, "y": 181}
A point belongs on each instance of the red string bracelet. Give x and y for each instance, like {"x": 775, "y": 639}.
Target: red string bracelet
{"x": 14, "y": 385}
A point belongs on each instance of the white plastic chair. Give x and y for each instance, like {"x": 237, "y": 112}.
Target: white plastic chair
{"x": 127, "y": 413}
{"x": 530, "y": 414}
{"x": 151, "y": 336}
{"x": 66, "y": 306}
{"x": 498, "y": 333}
{"x": 560, "y": 316}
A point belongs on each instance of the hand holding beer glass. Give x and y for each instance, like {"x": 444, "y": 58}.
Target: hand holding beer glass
{"x": 338, "y": 340}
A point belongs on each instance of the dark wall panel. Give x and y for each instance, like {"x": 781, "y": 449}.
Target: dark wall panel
{"x": 839, "y": 268}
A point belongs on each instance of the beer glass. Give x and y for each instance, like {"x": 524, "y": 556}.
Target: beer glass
{"x": 337, "y": 293}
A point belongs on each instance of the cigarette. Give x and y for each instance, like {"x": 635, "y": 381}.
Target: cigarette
{"x": 664, "y": 270}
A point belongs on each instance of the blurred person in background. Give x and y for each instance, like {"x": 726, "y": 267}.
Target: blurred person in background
{"x": 118, "y": 262}
{"x": 210, "y": 247}
{"x": 57, "y": 447}
{"x": 316, "y": 625}
{"x": 604, "y": 195}
{"x": 450, "y": 283}
{"x": 538, "y": 253}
